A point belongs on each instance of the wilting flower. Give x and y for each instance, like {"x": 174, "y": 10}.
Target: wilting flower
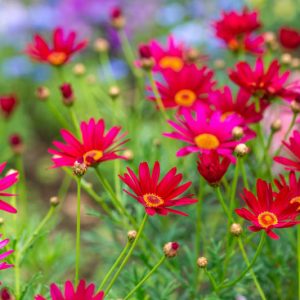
{"x": 8, "y": 105}
{"x": 224, "y": 102}
{"x": 236, "y": 29}
{"x": 96, "y": 145}
{"x": 266, "y": 84}
{"x": 185, "y": 88}
{"x": 213, "y": 167}
{"x": 268, "y": 210}
{"x": 289, "y": 38}
{"x": 157, "y": 196}
{"x": 5, "y": 183}
{"x": 59, "y": 53}
{"x": 82, "y": 292}
{"x": 203, "y": 133}
{"x": 294, "y": 148}
{"x": 4, "y": 265}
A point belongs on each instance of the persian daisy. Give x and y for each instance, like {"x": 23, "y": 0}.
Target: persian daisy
{"x": 157, "y": 196}
{"x": 289, "y": 38}
{"x": 268, "y": 210}
{"x": 62, "y": 49}
{"x": 95, "y": 145}
{"x": 3, "y": 254}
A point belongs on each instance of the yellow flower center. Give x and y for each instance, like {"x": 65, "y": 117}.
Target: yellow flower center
{"x": 207, "y": 141}
{"x": 296, "y": 200}
{"x": 225, "y": 115}
{"x": 234, "y": 45}
{"x": 57, "y": 58}
{"x": 185, "y": 97}
{"x": 92, "y": 156}
{"x": 153, "y": 200}
{"x": 266, "y": 219}
{"x": 172, "y": 62}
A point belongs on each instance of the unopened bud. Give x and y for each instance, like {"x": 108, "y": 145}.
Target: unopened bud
{"x": 54, "y": 201}
{"x": 286, "y": 58}
{"x": 1, "y": 221}
{"x": 67, "y": 94}
{"x": 128, "y": 154}
{"x": 79, "y": 169}
{"x": 117, "y": 18}
{"x": 6, "y": 295}
{"x": 236, "y": 229}
{"x": 16, "y": 144}
{"x": 295, "y": 106}
{"x": 171, "y": 249}
{"x": 241, "y": 150}
{"x": 101, "y": 45}
{"x": 157, "y": 142}
{"x": 269, "y": 37}
{"x": 79, "y": 69}
{"x": 192, "y": 55}
{"x": 276, "y": 125}
{"x": 237, "y": 132}
{"x": 42, "y": 93}
{"x": 295, "y": 63}
{"x": 131, "y": 235}
{"x": 114, "y": 92}
{"x": 202, "y": 262}
{"x": 219, "y": 64}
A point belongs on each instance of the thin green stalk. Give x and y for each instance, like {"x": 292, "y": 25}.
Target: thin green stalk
{"x": 78, "y": 232}
{"x": 257, "y": 104}
{"x": 57, "y": 115}
{"x": 105, "y": 62}
{"x": 74, "y": 120}
{"x": 223, "y": 204}
{"x": 17, "y": 277}
{"x": 160, "y": 262}
{"x": 212, "y": 280}
{"x": 298, "y": 256}
{"x": 127, "y": 256}
{"x": 243, "y": 171}
{"x": 116, "y": 263}
{"x": 234, "y": 186}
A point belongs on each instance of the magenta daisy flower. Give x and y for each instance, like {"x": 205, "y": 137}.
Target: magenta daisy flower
{"x": 95, "y": 146}
{"x": 157, "y": 196}
{"x": 3, "y": 254}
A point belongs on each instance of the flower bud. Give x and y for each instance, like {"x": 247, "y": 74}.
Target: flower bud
{"x": 171, "y": 249}
{"x": 241, "y": 150}
{"x": 192, "y": 55}
{"x": 42, "y": 93}
{"x": 131, "y": 235}
{"x": 8, "y": 105}
{"x": 128, "y": 154}
{"x": 67, "y": 94}
{"x": 79, "y": 69}
{"x": 146, "y": 59}
{"x": 6, "y": 295}
{"x": 79, "y": 169}
{"x": 269, "y": 37}
{"x": 54, "y": 201}
{"x": 295, "y": 63}
{"x": 286, "y": 58}
{"x": 117, "y": 18}
{"x": 276, "y": 125}
{"x": 101, "y": 45}
{"x": 219, "y": 64}
{"x": 16, "y": 143}
{"x": 236, "y": 229}
{"x": 1, "y": 221}
{"x": 114, "y": 92}
{"x": 237, "y": 132}
{"x": 202, "y": 262}
{"x": 295, "y": 106}
{"x": 157, "y": 142}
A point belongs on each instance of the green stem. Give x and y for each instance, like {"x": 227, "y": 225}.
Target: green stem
{"x": 298, "y": 256}
{"x": 145, "y": 278}
{"x": 74, "y": 120}
{"x": 128, "y": 255}
{"x": 78, "y": 232}
{"x": 257, "y": 104}
{"x": 57, "y": 115}
{"x": 243, "y": 171}
{"x": 234, "y": 186}
{"x": 212, "y": 280}
{"x": 224, "y": 206}
{"x": 17, "y": 277}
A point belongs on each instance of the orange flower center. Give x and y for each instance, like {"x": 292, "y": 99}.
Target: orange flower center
{"x": 296, "y": 200}
{"x": 226, "y": 115}
{"x": 172, "y": 62}
{"x": 153, "y": 200}
{"x": 185, "y": 97}
{"x": 266, "y": 219}
{"x": 234, "y": 45}
{"x": 57, "y": 58}
{"x": 207, "y": 141}
{"x": 92, "y": 156}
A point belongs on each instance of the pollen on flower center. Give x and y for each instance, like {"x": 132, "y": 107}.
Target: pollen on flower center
{"x": 92, "y": 157}
{"x": 152, "y": 200}
{"x": 266, "y": 219}
{"x": 296, "y": 200}
{"x": 207, "y": 141}
{"x": 172, "y": 62}
{"x": 234, "y": 45}
{"x": 185, "y": 97}
{"x": 57, "y": 58}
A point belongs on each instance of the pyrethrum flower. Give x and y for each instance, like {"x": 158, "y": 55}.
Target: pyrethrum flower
{"x": 95, "y": 147}
{"x": 293, "y": 148}
{"x": 82, "y": 292}
{"x": 63, "y": 48}
{"x": 3, "y": 254}
{"x": 213, "y": 167}
{"x": 157, "y": 196}
{"x": 8, "y": 104}
{"x": 289, "y": 38}
{"x": 268, "y": 210}
{"x": 5, "y": 183}
{"x": 204, "y": 133}
{"x": 185, "y": 88}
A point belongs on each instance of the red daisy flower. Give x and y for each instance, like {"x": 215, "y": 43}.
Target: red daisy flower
{"x": 157, "y": 196}
{"x": 213, "y": 167}
{"x": 82, "y": 292}
{"x": 5, "y": 183}
{"x": 4, "y": 265}
{"x": 294, "y": 149}
{"x": 224, "y": 102}
{"x": 204, "y": 133}
{"x": 266, "y": 84}
{"x": 8, "y": 105}
{"x": 185, "y": 88}
{"x": 96, "y": 145}
{"x": 289, "y": 38}
{"x": 268, "y": 210}
{"x": 61, "y": 51}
